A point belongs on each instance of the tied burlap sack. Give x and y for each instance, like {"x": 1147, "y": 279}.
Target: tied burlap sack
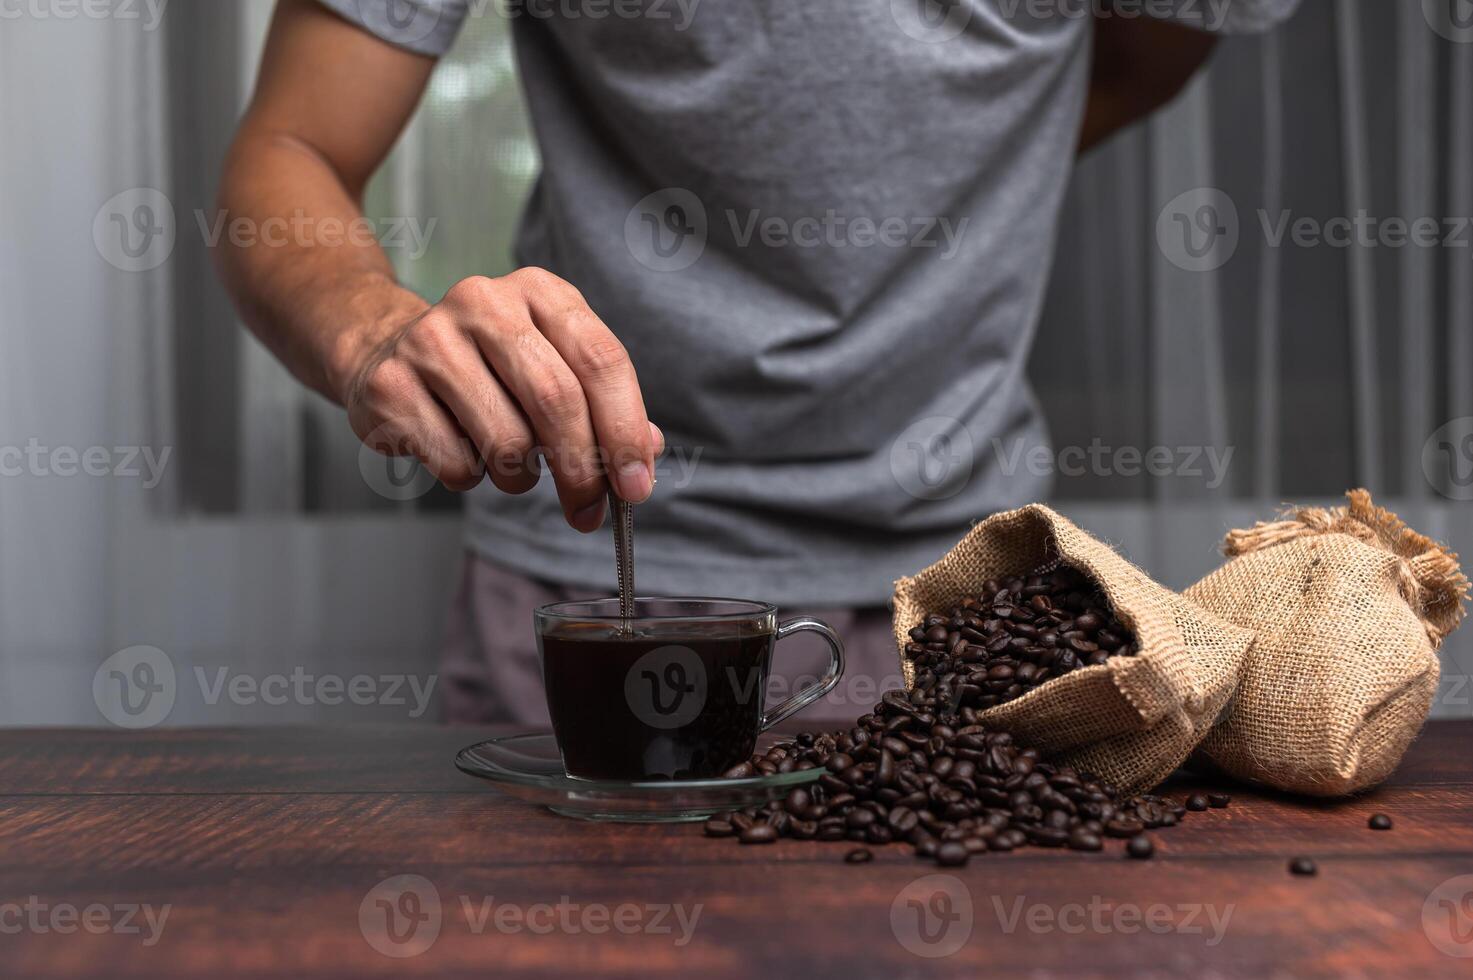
{"x": 1348, "y": 606}
{"x": 1131, "y": 720}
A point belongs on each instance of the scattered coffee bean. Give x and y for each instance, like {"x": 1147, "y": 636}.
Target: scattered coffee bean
{"x": 1197, "y": 803}
{"x": 1302, "y": 866}
{"x": 1083, "y": 839}
{"x": 716, "y": 827}
{"x": 759, "y": 833}
{"x": 860, "y": 855}
{"x": 1140, "y": 847}
{"x": 1379, "y": 821}
{"x": 952, "y": 854}
{"x": 1218, "y": 800}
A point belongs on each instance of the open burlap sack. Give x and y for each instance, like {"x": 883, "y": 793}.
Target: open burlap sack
{"x": 1348, "y": 606}
{"x": 1131, "y": 720}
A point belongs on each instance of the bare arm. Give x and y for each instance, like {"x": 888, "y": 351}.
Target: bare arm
{"x": 472, "y": 384}
{"x": 1139, "y": 65}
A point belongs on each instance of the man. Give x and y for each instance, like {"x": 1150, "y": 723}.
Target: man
{"x": 809, "y": 239}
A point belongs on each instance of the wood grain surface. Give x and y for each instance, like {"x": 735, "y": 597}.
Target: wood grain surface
{"x": 269, "y": 849}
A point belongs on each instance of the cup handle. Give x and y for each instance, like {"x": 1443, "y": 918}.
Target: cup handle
{"x": 826, "y": 684}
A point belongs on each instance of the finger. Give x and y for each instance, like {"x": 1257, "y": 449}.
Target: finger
{"x": 606, "y": 375}
{"x": 452, "y": 367}
{"x": 399, "y": 417}
{"x": 531, "y": 369}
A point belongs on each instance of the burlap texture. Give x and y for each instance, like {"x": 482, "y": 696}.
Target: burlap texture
{"x": 1348, "y": 607}
{"x": 1131, "y": 720}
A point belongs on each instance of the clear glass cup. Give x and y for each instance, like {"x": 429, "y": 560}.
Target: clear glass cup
{"x": 677, "y": 691}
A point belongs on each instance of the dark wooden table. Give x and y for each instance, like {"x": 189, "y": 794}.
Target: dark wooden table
{"x": 267, "y": 846}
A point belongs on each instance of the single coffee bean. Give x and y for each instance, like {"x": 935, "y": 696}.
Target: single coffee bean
{"x": 952, "y": 854}
{"x": 716, "y": 827}
{"x": 759, "y": 833}
{"x": 1379, "y": 821}
{"x": 1140, "y": 847}
{"x": 1081, "y": 839}
{"x": 1197, "y": 803}
{"x": 1302, "y": 866}
{"x": 1218, "y": 800}
{"x": 860, "y": 855}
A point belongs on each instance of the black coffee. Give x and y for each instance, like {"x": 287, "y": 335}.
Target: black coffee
{"x": 681, "y": 702}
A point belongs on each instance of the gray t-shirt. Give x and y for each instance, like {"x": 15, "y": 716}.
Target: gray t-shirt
{"x": 822, "y": 229}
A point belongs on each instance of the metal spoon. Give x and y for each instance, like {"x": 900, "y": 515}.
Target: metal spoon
{"x": 623, "y": 513}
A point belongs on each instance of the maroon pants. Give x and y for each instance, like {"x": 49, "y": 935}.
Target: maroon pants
{"x": 491, "y": 672}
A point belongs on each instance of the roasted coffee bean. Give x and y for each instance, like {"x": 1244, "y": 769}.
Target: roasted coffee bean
{"x": 903, "y": 820}
{"x": 759, "y": 833}
{"x": 1140, "y": 847}
{"x": 1083, "y": 839}
{"x": 1051, "y": 627}
{"x": 1123, "y": 828}
{"x": 1302, "y": 866}
{"x": 921, "y": 769}
{"x": 1218, "y": 800}
{"x": 1379, "y": 821}
{"x": 860, "y": 855}
{"x": 952, "y": 854}
{"x": 1197, "y": 803}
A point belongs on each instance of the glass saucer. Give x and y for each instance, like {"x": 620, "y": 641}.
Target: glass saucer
{"x": 529, "y": 768}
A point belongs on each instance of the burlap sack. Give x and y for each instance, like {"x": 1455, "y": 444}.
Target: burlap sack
{"x": 1348, "y": 607}
{"x": 1131, "y": 720}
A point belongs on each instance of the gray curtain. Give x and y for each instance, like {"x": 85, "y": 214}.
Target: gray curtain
{"x": 1320, "y": 367}
{"x": 1323, "y": 367}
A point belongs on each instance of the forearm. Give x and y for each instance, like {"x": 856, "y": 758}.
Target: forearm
{"x": 318, "y": 291}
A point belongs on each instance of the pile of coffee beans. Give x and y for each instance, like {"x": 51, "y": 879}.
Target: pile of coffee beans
{"x": 922, "y": 769}
{"x": 948, "y": 787}
{"x": 1015, "y": 635}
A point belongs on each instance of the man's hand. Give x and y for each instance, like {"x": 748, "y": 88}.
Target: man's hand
{"x": 471, "y": 384}
{"x": 500, "y": 367}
